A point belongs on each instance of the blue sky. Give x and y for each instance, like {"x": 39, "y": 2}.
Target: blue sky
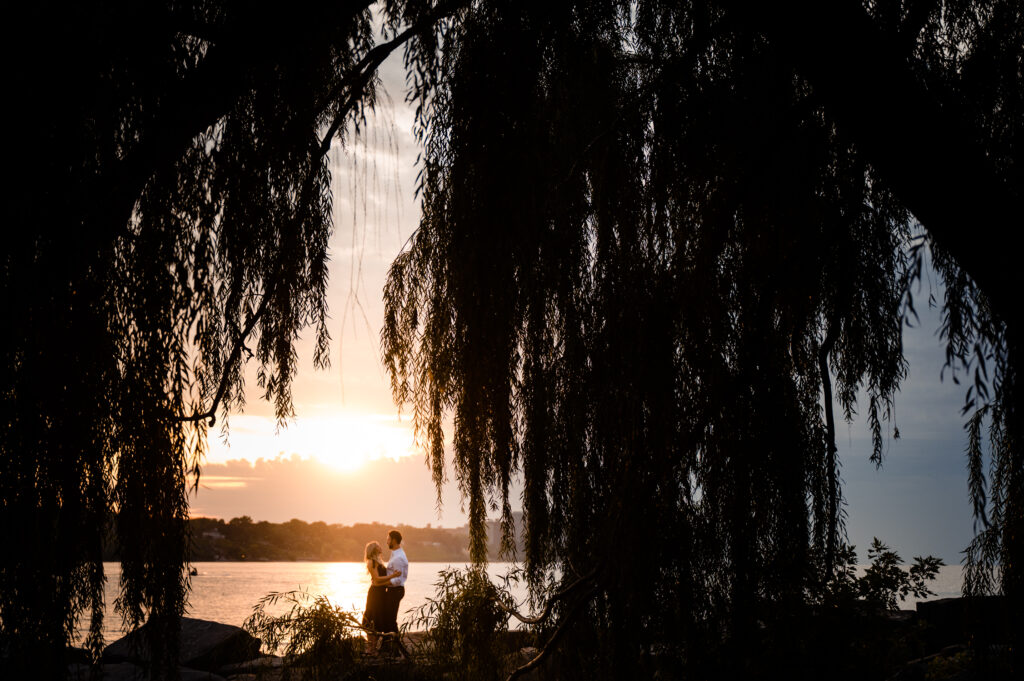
{"x": 917, "y": 502}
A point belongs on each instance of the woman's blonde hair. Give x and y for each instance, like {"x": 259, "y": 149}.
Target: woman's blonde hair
{"x": 373, "y": 551}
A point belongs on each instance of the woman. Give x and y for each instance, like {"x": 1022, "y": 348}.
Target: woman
{"x": 374, "y": 616}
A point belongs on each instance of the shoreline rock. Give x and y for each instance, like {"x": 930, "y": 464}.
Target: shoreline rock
{"x": 205, "y": 646}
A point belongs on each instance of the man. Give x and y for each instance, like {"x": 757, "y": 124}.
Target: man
{"x": 396, "y": 588}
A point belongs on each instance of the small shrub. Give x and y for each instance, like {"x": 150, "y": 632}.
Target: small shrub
{"x": 884, "y": 580}
{"x": 317, "y": 639}
{"x": 466, "y": 627}
{"x": 952, "y": 666}
{"x": 882, "y": 585}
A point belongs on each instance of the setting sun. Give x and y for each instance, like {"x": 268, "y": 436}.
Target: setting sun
{"x": 344, "y": 441}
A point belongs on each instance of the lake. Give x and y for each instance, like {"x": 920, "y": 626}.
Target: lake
{"x": 227, "y": 592}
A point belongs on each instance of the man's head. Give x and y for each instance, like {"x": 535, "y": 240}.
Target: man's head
{"x": 394, "y": 539}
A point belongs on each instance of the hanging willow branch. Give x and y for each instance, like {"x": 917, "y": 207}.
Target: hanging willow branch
{"x": 354, "y": 85}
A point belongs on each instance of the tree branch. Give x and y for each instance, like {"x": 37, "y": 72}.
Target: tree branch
{"x": 368, "y": 65}
{"x": 926, "y": 152}
{"x": 563, "y": 626}
{"x": 561, "y": 595}
{"x": 830, "y": 440}
{"x": 355, "y": 83}
{"x": 197, "y": 102}
{"x": 233, "y": 358}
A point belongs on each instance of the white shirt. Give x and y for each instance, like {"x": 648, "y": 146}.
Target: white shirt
{"x": 400, "y": 563}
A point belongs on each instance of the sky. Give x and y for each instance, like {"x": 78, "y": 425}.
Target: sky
{"x": 917, "y": 502}
{"x": 348, "y": 456}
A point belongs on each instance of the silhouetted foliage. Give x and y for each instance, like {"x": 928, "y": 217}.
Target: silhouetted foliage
{"x": 884, "y": 583}
{"x": 172, "y": 221}
{"x": 317, "y": 639}
{"x": 466, "y": 625}
{"x": 654, "y": 236}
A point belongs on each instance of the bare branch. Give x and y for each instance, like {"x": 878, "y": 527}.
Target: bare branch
{"x": 367, "y": 66}
{"x": 895, "y": 120}
{"x": 563, "y": 626}
{"x": 831, "y": 335}
{"x": 193, "y": 105}
{"x": 561, "y": 595}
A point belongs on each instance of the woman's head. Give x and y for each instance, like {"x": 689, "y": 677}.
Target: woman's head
{"x": 373, "y": 551}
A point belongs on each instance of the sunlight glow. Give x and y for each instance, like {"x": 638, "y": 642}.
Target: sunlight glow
{"x": 344, "y": 441}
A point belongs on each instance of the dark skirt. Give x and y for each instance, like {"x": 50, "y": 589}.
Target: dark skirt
{"x": 375, "y": 615}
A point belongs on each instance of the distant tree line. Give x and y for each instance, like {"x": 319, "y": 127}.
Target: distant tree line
{"x": 244, "y": 539}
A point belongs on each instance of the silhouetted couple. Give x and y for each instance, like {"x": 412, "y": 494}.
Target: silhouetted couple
{"x": 387, "y": 588}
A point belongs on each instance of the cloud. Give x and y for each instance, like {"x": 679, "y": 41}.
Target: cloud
{"x": 225, "y": 482}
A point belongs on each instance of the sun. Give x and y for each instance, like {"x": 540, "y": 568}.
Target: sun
{"x": 348, "y": 442}
{"x": 344, "y": 442}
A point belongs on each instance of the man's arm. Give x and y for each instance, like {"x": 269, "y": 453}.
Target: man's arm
{"x": 386, "y": 580}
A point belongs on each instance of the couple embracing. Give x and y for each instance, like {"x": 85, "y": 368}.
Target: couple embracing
{"x": 387, "y": 587}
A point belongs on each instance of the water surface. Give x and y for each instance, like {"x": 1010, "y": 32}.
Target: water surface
{"x": 226, "y": 592}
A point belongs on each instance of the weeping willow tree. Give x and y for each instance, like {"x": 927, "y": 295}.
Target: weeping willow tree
{"x": 656, "y": 239}
{"x": 172, "y": 223}
{"x": 659, "y": 241}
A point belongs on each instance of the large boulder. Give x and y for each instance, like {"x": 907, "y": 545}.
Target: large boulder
{"x": 205, "y": 645}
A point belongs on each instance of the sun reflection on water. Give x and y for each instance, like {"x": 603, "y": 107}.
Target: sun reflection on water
{"x": 227, "y": 592}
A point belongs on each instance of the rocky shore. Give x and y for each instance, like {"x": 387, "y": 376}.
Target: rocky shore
{"x": 209, "y": 650}
{"x": 212, "y": 651}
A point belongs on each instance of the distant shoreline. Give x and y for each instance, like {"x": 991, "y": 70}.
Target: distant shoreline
{"x": 243, "y": 540}
{"x": 316, "y": 560}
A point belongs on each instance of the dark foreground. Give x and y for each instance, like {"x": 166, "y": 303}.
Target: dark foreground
{"x": 942, "y": 640}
